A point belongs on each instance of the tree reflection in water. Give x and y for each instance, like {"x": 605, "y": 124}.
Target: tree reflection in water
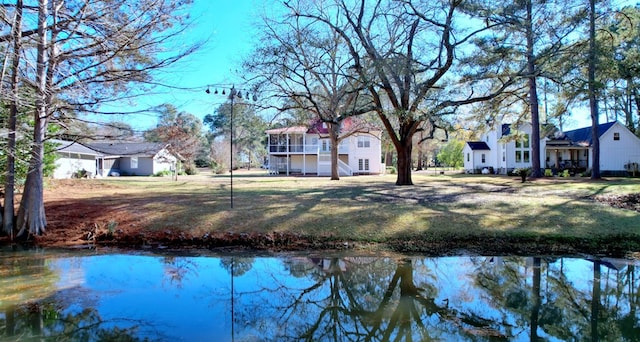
{"x": 321, "y": 299}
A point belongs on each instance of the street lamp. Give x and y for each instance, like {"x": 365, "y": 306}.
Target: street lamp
{"x": 233, "y": 93}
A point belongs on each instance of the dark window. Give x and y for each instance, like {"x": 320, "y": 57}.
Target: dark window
{"x": 616, "y": 136}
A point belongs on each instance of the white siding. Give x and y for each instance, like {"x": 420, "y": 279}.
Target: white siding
{"x": 69, "y": 163}
{"x": 373, "y": 153}
{"x": 614, "y": 154}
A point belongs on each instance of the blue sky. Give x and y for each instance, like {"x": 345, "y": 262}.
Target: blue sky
{"x": 227, "y": 27}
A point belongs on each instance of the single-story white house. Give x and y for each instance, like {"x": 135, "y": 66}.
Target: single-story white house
{"x": 505, "y": 148}
{"x": 133, "y": 159}
{"x": 74, "y": 157}
{"x": 113, "y": 159}
{"x": 306, "y": 150}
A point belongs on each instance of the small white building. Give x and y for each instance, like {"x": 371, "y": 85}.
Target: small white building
{"x": 306, "y": 150}
{"x": 502, "y": 149}
{"x": 72, "y": 158}
{"x": 109, "y": 159}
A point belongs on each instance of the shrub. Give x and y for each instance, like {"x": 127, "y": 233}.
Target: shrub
{"x": 162, "y": 173}
{"x": 190, "y": 169}
{"x": 548, "y": 173}
{"x": 391, "y": 170}
{"x": 523, "y": 172}
{"x": 565, "y": 173}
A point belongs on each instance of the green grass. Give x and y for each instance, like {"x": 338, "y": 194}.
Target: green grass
{"x": 372, "y": 209}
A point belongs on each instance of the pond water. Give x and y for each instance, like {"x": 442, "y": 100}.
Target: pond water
{"x": 48, "y": 295}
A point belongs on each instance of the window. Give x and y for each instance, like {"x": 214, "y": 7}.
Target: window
{"x": 616, "y": 136}
{"x": 504, "y": 156}
{"x": 134, "y": 162}
{"x": 363, "y": 164}
{"x": 522, "y": 150}
{"x": 364, "y": 142}
{"x": 468, "y": 156}
{"x": 483, "y": 158}
{"x": 325, "y": 145}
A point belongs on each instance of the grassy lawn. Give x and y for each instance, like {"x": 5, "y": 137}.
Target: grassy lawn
{"x": 451, "y": 208}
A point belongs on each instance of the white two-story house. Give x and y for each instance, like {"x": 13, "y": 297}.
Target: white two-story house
{"x": 505, "y": 148}
{"x": 306, "y": 151}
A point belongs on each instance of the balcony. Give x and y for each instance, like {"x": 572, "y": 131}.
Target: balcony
{"x": 307, "y": 149}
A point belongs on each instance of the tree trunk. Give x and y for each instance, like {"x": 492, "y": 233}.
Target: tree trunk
{"x": 535, "y": 308}
{"x": 420, "y": 157}
{"x": 593, "y": 101}
{"x": 334, "y": 131}
{"x": 31, "y": 217}
{"x": 9, "y": 185}
{"x": 595, "y": 300}
{"x": 404, "y": 162}
{"x": 533, "y": 97}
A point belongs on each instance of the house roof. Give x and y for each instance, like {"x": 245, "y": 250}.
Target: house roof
{"x": 286, "y": 130}
{"x": 582, "y": 136}
{"x": 65, "y": 146}
{"x": 124, "y": 149}
{"x": 318, "y": 127}
{"x": 506, "y": 129}
{"x": 478, "y": 145}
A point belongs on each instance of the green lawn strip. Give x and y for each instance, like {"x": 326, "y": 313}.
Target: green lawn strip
{"x": 373, "y": 209}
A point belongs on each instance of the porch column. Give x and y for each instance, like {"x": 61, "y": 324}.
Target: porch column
{"x": 304, "y": 154}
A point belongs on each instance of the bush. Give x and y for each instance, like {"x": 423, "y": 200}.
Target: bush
{"x": 217, "y": 169}
{"x": 391, "y": 170}
{"x": 565, "y": 173}
{"x": 190, "y": 169}
{"x": 200, "y": 162}
{"x": 548, "y": 173}
{"x": 163, "y": 173}
{"x": 523, "y": 172}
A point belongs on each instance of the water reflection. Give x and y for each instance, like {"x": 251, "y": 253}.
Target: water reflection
{"x": 64, "y": 296}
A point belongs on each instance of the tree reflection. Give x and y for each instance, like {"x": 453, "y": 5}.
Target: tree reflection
{"x": 561, "y": 307}
{"x": 365, "y": 299}
{"x": 44, "y": 321}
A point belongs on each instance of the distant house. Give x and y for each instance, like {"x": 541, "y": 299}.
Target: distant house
{"x": 133, "y": 159}
{"x": 74, "y": 157}
{"x": 502, "y": 149}
{"x": 306, "y": 150}
{"x": 112, "y": 159}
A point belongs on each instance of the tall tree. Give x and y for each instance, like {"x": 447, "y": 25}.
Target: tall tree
{"x": 89, "y": 53}
{"x": 248, "y": 130}
{"x": 593, "y": 99}
{"x": 621, "y": 74}
{"x": 407, "y": 54}
{"x": 181, "y": 130}
{"x": 546, "y": 35}
{"x": 9, "y": 185}
{"x": 309, "y": 68}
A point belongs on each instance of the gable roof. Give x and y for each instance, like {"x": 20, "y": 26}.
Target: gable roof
{"x": 478, "y": 145}
{"x": 582, "y": 136}
{"x": 146, "y": 149}
{"x": 65, "y": 146}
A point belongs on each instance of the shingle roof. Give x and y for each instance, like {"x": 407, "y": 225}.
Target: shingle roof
{"x": 73, "y": 147}
{"x": 582, "y": 136}
{"x": 506, "y": 129}
{"x": 285, "y": 130}
{"x": 124, "y": 149}
{"x": 478, "y": 145}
